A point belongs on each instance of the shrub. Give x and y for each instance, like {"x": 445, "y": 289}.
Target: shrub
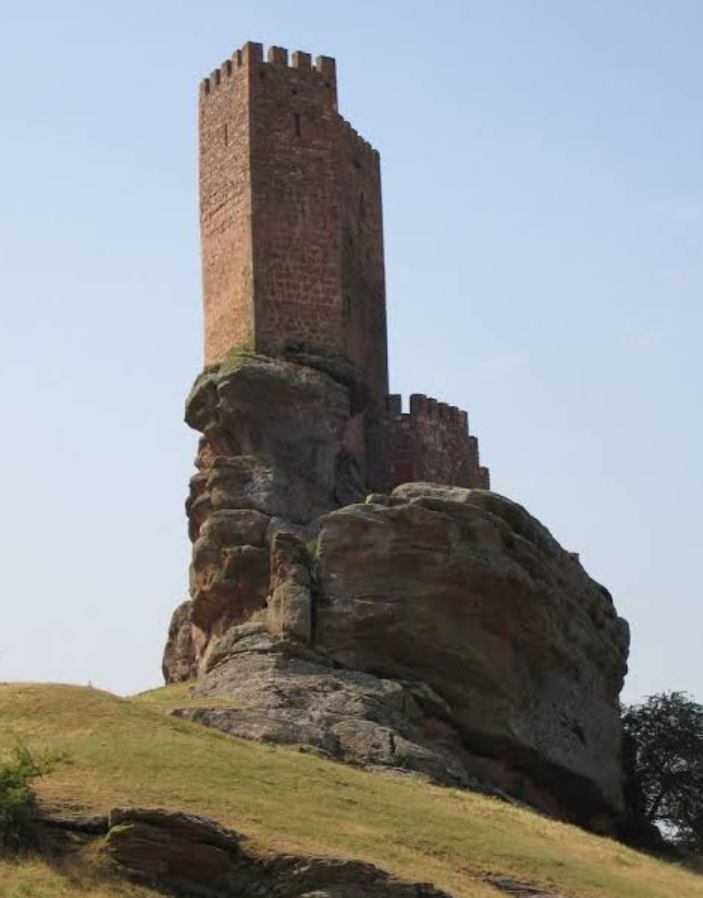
{"x": 403, "y": 759}
{"x": 17, "y": 799}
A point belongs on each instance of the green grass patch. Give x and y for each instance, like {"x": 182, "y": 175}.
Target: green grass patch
{"x": 127, "y": 752}
{"x": 235, "y": 358}
{"x": 311, "y": 547}
{"x": 178, "y": 695}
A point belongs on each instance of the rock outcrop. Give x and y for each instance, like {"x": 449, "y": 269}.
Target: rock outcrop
{"x": 436, "y": 629}
{"x": 283, "y": 691}
{"x": 466, "y": 592}
{"x": 193, "y": 856}
{"x": 280, "y": 446}
{"x": 179, "y": 654}
{"x": 183, "y": 854}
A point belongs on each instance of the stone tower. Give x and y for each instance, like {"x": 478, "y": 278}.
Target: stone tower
{"x": 292, "y": 250}
{"x": 290, "y": 213}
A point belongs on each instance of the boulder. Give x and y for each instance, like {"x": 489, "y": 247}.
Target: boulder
{"x": 179, "y": 662}
{"x": 286, "y": 693}
{"x": 278, "y": 437}
{"x": 290, "y": 601}
{"x": 195, "y": 856}
{"x": 468, "y": 593}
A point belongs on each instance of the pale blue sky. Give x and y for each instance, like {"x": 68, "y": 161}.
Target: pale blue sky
{"x": 544, "y": 221}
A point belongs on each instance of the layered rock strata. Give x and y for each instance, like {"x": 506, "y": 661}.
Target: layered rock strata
{"x": 278, "y": 449}
{"x": 437, "y": 629}
{"x": 182, "y": 854}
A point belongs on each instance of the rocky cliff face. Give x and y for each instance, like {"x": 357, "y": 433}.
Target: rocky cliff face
{"x": 279, "y": 448}
{"x": 436, "y": 629}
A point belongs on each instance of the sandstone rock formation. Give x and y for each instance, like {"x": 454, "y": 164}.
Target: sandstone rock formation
{"x": 436, "y": 629}
{"x": 465, "y": 591}
{"x": 179, "y": 654}
{"x": 183, "y": 854}
{"x": 283, "y": 691}
{"x": 277, "y": 450}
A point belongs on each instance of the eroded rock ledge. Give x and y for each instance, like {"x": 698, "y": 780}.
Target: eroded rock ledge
{"x": 195, "y": 856}
{"x": 436, "y": 629}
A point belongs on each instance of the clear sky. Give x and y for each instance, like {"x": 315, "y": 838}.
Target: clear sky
{"x": 543, "y": 194}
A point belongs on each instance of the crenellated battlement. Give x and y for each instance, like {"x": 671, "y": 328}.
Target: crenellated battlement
{"x": 431, "y": 442}
{"x": 251, "y": 57}
{"x": 422, "y": 406}
{"x": 356, "y": 139}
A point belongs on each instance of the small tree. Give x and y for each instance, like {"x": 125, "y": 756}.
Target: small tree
{"x": 17, "y": 799}
{"x": 664, "y": 756}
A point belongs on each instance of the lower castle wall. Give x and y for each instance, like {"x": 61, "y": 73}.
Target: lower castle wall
{"x": 432, "y": 443}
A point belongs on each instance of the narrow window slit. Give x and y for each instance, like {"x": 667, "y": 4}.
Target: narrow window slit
{"x": 296, "y": 118}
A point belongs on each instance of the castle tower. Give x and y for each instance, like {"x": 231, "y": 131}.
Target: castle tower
{"x": 290, "y": 213}
{"x": 292, "y": 253}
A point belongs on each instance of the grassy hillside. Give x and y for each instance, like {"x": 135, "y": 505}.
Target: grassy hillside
{"x": 126, "y": 751}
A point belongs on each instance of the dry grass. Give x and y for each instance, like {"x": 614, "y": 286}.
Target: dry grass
{"x": 33, "y": 878}
{"x": 126, "y": 752}
{"x": 178, "y": 695}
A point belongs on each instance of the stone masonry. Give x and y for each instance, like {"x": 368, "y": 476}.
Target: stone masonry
{"x": 431, "y": 443}
{"x": 292, "y": 249}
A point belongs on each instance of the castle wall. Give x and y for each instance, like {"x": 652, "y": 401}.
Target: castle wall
{"x": 296, "y": 216}
{"x": 291, "y": 222}
{"x": 226, "y": 209}
{"x": 431, "y": 443}
{"x": 362, "y": 263}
